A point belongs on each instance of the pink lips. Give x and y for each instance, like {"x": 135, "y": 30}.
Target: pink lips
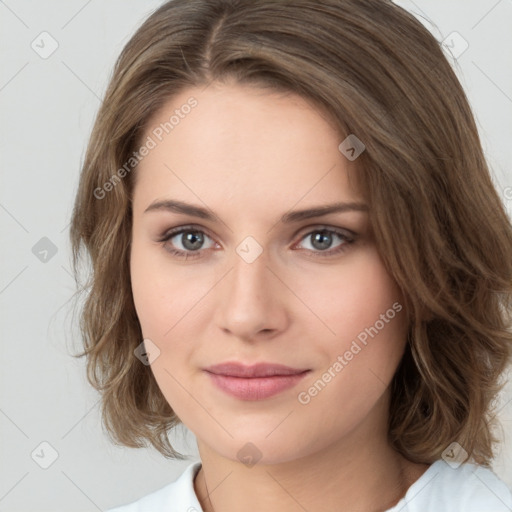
{"x": 255, "y": 382}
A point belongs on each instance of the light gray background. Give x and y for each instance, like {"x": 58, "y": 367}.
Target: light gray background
{"x": 47, "y": 108}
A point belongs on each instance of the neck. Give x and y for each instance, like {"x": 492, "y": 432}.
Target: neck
{"x": 361, "y": 472}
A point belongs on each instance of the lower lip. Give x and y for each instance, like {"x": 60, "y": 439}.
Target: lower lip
{"x": 256, "y": 388}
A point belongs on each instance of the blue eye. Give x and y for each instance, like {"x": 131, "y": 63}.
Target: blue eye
{"x": 192, "y": 241}
{"x": 322, "y": 240}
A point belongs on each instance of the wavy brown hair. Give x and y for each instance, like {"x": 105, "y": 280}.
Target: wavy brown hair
{"x": 439, "y": 224}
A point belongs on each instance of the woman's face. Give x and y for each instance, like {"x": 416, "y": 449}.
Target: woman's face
{"x": 254, "y": 281}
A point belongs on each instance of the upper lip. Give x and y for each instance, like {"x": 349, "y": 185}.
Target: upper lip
{"x": 234, "y": 369}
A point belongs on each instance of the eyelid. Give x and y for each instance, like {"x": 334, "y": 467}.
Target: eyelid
{"x": 169, "y": 233}
{"x": 327, "y": 227}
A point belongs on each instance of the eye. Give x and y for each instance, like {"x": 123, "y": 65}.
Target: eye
{"x": 321, "y": 241}
{"x": 190, "y": 239}
{"x": 188, "y": 242}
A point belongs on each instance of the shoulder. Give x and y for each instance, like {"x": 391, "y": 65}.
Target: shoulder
{"x": 176, "y": 496}
{"x": 465, "y": 488}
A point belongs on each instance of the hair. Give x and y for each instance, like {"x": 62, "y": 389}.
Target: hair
{"x": 439, "y": 224}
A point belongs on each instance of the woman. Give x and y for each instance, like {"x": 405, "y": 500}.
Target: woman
{"x": 298, "y": 253}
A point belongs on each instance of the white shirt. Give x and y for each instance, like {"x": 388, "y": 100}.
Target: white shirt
{"x": 468, "y": 488}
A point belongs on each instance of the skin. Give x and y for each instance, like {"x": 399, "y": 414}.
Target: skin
{"x": 250, "y": 156}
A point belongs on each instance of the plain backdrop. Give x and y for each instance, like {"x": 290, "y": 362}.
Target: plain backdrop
{"x": 49, "y": 415}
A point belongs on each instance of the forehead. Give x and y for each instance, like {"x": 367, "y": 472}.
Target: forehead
{"x": 249, "y": 146}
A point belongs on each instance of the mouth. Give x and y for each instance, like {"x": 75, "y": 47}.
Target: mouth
{"x": 256, "y": 382}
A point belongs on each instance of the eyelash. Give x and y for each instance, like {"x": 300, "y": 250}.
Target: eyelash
{"x": 347, "y": 239}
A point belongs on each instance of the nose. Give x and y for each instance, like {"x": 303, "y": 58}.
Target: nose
{"x": 252, "y": 300}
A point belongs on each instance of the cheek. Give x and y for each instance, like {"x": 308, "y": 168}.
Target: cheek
{"x": 352, "y": 297}
{"x": 153, "y": 295}
{"x": 374, "y": 339}
{"x": 368, "y": 317}
{"x": 167, "y": 302}
{"x": 377, "y": 322}
{"x": 160, "y": 304}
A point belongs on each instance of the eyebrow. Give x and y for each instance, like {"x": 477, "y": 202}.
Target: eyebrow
{"x": 174, "y": 206}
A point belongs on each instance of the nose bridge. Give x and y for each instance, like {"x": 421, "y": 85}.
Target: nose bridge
{"x": 250, "y": 274}
{"x": 249, "y": 303}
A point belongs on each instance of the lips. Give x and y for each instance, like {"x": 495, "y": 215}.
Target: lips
{"x": 256, "y": 370}
{"x": 256, "y": 382}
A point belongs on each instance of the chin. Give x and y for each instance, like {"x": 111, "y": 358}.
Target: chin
{"x": 259, "y": 448}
